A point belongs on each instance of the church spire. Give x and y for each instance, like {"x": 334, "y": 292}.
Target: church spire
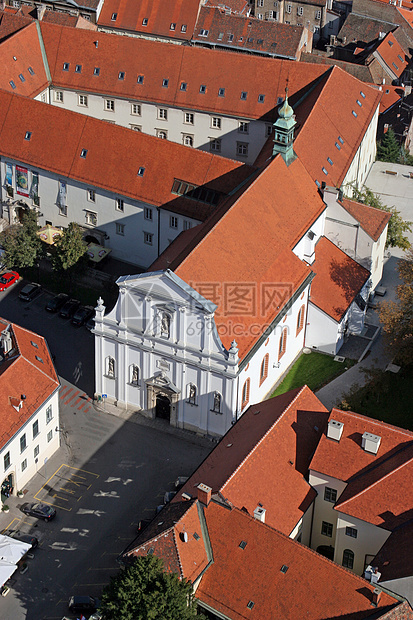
{"x": 284, "y": 132}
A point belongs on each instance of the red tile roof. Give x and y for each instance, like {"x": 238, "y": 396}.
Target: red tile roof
{"x": 20, "y": 51}
{"x": 162, "y": 160}
{"x": 390, "y": 96}
{"x": 248, "y": 34}
{"x": 338, "y": 279}
{"x": 270, "y": 447}
{"x": 160, "y": 15}
{"x": 373, "y": 221}
{"x": 236, "y": 6}
{"x": 395, "y": 558}
{"x": 392, "y": 54}
{"x": 27, "y": 370}
{"x": 194, "y": 66}
{"x": 11, "y": 21}
{"x": 286, "y": 202}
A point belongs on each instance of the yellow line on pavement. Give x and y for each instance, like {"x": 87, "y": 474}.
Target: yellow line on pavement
{"x": 56, "y": 505}
{"x": 67, "y": 490}
{"x": 84, "y": 471}
{"x": 10, "y": 524}
{"x": 42, "y": 487}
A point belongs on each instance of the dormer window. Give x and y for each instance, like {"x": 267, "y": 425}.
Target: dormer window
{"x": 145, "y": 21}
{"x": 165, "y": 325}
{"x": 183, "y": 28}
{"x": 172, "y": 27}
{"x": 78, "y": 69}
{"x": 203, "y": 33}
{"x": 28, "y": 135}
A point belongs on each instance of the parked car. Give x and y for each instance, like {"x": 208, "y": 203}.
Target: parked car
{"x": 30, "y": 291}
{"x": 69, "y": 308}
{"x": 168, "y": 496}
{"x": 26, "y": 538}
{"x": 82, "y": 315}
{"x": 40, "y": 511}
{"x": 83, "y": 603}
{"x": 57, "y": 302}
{"x": 7, "y": 279}
{"x": 91, "y": 323}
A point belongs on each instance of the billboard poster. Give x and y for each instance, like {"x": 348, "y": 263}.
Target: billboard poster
{"x": 22, "y": 181}
{"x": 34, "y": 192}
{"x": 62, "y": 193}
{"x": 9, "y": 174}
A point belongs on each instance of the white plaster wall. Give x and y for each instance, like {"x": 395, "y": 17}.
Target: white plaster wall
{"x": 322, "y": 331}
{"x": 324, "y": 510}
{"x": 364, "y": 157}
{"x": 149, "y": 122}
{"x": 46, "y": 449}
{"x": 305, "y": 248}
{"x": 168, "y": 233}
{"x": 370, "y": 539}
{"x": 303, "y": 528}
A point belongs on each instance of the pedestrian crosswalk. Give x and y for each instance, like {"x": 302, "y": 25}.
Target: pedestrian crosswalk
{"x": 69, "y": 395}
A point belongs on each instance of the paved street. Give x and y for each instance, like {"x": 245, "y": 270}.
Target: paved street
{"x": 108, "y": 474}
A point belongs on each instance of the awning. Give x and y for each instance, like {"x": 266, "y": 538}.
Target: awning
{"x": 96, "y": 252}
{"x": 49, "y": 234}
{"x": 6, "y": 571}
{"x": 12, "y": 550}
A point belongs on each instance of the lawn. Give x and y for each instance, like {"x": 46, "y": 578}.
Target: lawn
{"x": 387, "y": 397}
{"x": 314, "y": 370}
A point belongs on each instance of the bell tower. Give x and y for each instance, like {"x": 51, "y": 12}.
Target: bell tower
{"x": 284, "y": 132}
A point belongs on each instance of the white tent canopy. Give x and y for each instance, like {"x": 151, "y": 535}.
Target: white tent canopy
{"x": 6, "y": 571}
{"x": 11, "y": 550}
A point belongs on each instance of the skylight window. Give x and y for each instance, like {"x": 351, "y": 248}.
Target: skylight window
{"x": 183, "y": 28}
{"x": 261, "y": 98}
{"x": 14, "y": 57}
{"x": 183, "y": 85}
{"x": 28, "y": 135}
{"x": 121, "y": 75}
{"x": 230, "y": 38}
{"x": 330, "y": 161}
{"x": 340, "y": 139}
{"x": 30, "y": 70}
{"x": 400, "y": 58}
{"x": 114, "y": 17}
{"x": 244, "y": 95}
{"x": 241, "y": 39}
{"x": 260, "y": 41}
{"x": 390, "y": 43}
{"x": 395, "y": 66}
{"x": 250, "y": 40}
{"x": 172, "y": 27}
{"x": 34, "y": 344}
{"x": 78, "y": 69}
{"x": 83, "y": 153}
{"x": 220, "y": 36}
{"x": 354, "y": 113}
{"x": 203, "y": 33}
{"x": 96, "y": 71}
{"x": 145, "y": 21}
{"x": 196, "y": 536}
{"x": 12, "y": 84}
{"x": 66, "y": 66}
{"x": 21, "y": 76}
{"x": 250, "y": 604}
{"x": 221, "y": 92}
{"x": 324, "y": 170}
{"x": 362, "y": 94}
{"x": 165, "y": 83}
{"x": 141, "y": 172}
{"x": 284, "y": 568}
{"x": 338, "y": 146}
{"x": 317, "y": 183}
{"x": 242, "y": 544}
{"x": 140, "y": 79}
{"x": 359, "y": 103}
{"x": 202, "y": 89}
{"x": 39, "y": 359}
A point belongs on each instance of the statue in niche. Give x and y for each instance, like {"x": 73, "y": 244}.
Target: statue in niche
{"x": 165, "y": 325}
{"x": 192, "y": 394}
{"x": 111, "y": 367}
{"x": 135, "y": 375}
{"x": 217, "y": 402}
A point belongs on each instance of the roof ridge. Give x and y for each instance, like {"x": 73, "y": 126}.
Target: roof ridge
{"x": 177, "y": 552}
{"x": 264, "y": 436}
{"x": 360, "y": 416}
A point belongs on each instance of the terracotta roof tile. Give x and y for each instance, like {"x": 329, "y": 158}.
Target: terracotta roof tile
{"x": 392, "y": 54}
{"x": 373, "y": 221}
{"x": 338, "y": 279}
{"x": 11, "y": 22}
{"x": 29, "y": 371}
{"x": 390, "y": 96}
{"x": 363, "y": 29}
{"x": 361, "y": 72}
{"x": 236, "y": 6}
{"x": 395, "y": 558}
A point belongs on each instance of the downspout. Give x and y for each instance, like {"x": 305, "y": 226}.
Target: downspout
{"x": 159, "y": 229}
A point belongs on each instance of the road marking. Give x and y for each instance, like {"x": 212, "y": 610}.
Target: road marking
{"x": 66, "y": 402}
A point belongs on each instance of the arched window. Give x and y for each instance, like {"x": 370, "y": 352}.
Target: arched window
{"x": 245, "y": 393}
{"x": 264, "y": 368}
{"x": 110, "y": 367}
{"x": 300, "y": 319}
{"x": 191, "y": 394}
{"x": 216, "y": 404}
{"x": 348, "y": 559}
{"x": 162, "y": 135}
{"x": 283, "y": 343}
{"x": 134, "y": 374}
{"x": 188, "y": 141}
{"x": 165, "y": 325}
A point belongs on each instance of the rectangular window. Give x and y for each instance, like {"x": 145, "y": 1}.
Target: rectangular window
{"x": 49, "y": 414}
{"x": 173, "y": 222}
{"x": 318, "y": 14}
{"x": 216, "y": 122}
{"x": 96, "y": 71}
{"x": 330, "y": 495}
{"x": 136, "y": 127}
{"x": 119, "y": 204}
{"x": 261, "y": 98}
{"x": 36, "y": 451}
{"x": 66, "y": 66}
{"x": 351, "y": 531}
{"x": 140, "y": 79}
{"x": 136, "y": 109}
{"x": 221, "y": 92}
{"x": 148, "y": 238}
{"x": 242, "y": 148}
{"x": 187, "y": 224}
{"x": 203, "y": 33}
{"x": 243, "y": 127}
{"x": 6, "y": 461}
{"x": 91, "y": 218}
{"x": 202, "y": 89}
{"x": 23, "y": 443}
{"x": 288, "y": 8}
{"x": 121, "y": 75}
{"x": 49, "y": 436}
{"x": 148, "y": 213}
{"x": 78, "y": 69}
{"x": 145, "y": 21}
{"x": 109, "y": 105}
{"x": 215, "y": 145}
{"x": 260, "y": 3}
{"x": 91, "y": 195}
{"x": 120, "y": 229}
{"x": 35, "y": 428}
{"x": 300, "y": 10}
{"x": 189, "y": 118}
{"x": 327, "y": 529}
{"x": 83, "y": 100}
{"x": 58, "y": 96}
{"x": 24, "y": 464}
{"x": 268, "y": 130}
{"x": 163, "y": 114}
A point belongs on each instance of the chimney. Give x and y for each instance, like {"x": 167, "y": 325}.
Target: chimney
{"x": 335, "y": 430}
{"x": 6, "y": 342}
{"x": 204, "y": 493}
{"x": 376, "y": 597}
{"x": 370, "y": 442}
{"x": 259, "y": 514}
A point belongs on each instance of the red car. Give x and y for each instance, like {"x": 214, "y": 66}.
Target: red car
{"x": 7, "y": 279}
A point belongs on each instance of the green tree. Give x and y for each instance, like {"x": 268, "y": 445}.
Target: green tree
{"x": 21, "y": 243}
{"x": 388, "y": 148}
{"x": 69, "y": 249}
{"x": 397, "y": 225}
{"x": 143, "y": 591}
{"x": 397, "y": 316}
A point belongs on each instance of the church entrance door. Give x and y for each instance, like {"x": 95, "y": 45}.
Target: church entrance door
{"x": 163, "y": 407}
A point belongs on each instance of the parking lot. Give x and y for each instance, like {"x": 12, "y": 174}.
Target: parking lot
{"x": 108, "y": 474}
